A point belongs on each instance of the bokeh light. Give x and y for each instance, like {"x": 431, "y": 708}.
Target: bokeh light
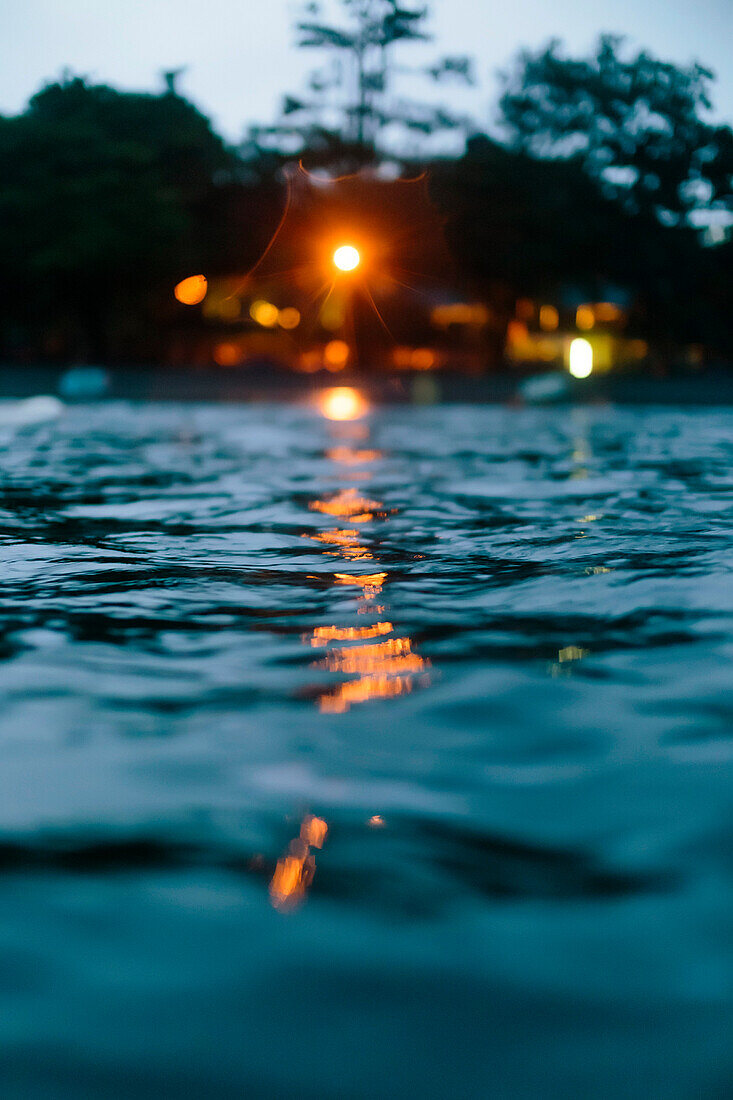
{"x": 549, "y": 318}
{"x": 192, "y": 290}
{"x": 343, "y": 403}
{"x": 264, "y": 313}
{"x": 580, "y": 359}
{"x": 289, "y": 317}
{"x": 227, "y": 354}
{"x": 336, "y": 354}
{"x": 585, "y": 318}
{"x": 422, "y": 359}
{"x": 346, "y": 257}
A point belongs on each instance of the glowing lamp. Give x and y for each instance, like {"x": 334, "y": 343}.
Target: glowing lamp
{"x": 580, "y": 358}
{"x": 346, "y": 257}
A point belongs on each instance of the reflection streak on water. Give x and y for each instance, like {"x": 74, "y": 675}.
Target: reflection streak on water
{"x": 394, "y": 655}
{"x": 352, "y": 456}
{"x": 385, "y": 669}
{"x": 295, "y": 870}
{"x": 323, "y": 634}
{"x": 347, "y": 539}
{"x": 362, "y": 691}
{"x": 347, "y": 502}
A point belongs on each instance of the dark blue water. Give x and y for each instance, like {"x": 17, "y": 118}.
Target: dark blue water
{"x": 367, "y": 759}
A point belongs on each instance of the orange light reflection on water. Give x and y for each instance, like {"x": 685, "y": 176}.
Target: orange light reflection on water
{"x": 370, "y": 583}
{"x": 347, "y": 502}
{"x": 322, "y": 635}
{"x": 384, "y": 669}
{"x": 378, "y": 667}
{"x": 389, "y": 658}
{"x": 295, "y": 870}
{"x": 343, "y": 403}
{"x": 352, "y": 456}
{"x": 362, "y": 691}
{"x": 347, "y": 541}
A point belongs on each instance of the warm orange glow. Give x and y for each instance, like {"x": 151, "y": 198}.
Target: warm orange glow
{"x": 385, "y": 669}
{"x": 313, "y": 831}
{"x": 422, "y": 359}
{"x": 585, "y": 318}
{"x": 289, "y": 317}
{"x": 322, "y": 635}
{"x": 264, "y": 313}
{"x": 294, "y": 872}
{"x": 376, "y": 822}
{"x": 309, "y": 362}
{"x": 192, "y": 290}
{"x": 289, "y": 882}
{"x": 607, "y": 311}
{"x": 516, "y": 332}
{"x": 347, "y": 502}
{"x": 227, "y": 355}
{"x": 347, "y": 541}
{"x": 336, "y": 354}
{"x": 366, "y": 580}
{"x": 460, "y": 313}
{"x": 388, "y": 658}
{"x": 351, "y": 456}
{"x": 370, "y": 584}
{"x": 343, "y": 403}
{"x": 549, "y": 318}
{"x": 362, "y": 691}
{"x": 346, "y": 257}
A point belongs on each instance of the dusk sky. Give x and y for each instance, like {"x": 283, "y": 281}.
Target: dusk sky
{"x": 240, "y": 56}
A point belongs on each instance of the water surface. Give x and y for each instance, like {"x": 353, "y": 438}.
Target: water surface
{"x": 380, "y": 758}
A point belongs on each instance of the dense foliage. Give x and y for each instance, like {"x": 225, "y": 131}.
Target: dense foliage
{"x": 350, "y": 98}
{"x": 108, "y": 198}
{"x": 104, "y": 196}
{"x": 637, "y": 126}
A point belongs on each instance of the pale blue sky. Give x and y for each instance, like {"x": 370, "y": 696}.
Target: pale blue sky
{"x": 241, "y": 59}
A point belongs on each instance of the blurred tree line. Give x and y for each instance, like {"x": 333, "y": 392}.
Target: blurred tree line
{"x": 607, "y": 174}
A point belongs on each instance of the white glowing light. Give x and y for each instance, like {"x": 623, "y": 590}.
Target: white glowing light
{"x": 346, "y": 257}
{"x": 580, "y": 359}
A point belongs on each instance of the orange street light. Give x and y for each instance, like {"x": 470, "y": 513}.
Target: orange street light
{"x": 346, "y": 257}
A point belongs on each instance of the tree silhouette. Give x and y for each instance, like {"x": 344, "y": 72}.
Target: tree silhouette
{"x": 350, "y": 100}
{"x": 637, "y": 126}
{"x": 105, "y": 194}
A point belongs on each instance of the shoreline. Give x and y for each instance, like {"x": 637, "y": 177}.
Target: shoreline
{"x": 263, "y": 382}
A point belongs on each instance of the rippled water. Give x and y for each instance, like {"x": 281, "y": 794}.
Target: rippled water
{"x": 382, "y": 758}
